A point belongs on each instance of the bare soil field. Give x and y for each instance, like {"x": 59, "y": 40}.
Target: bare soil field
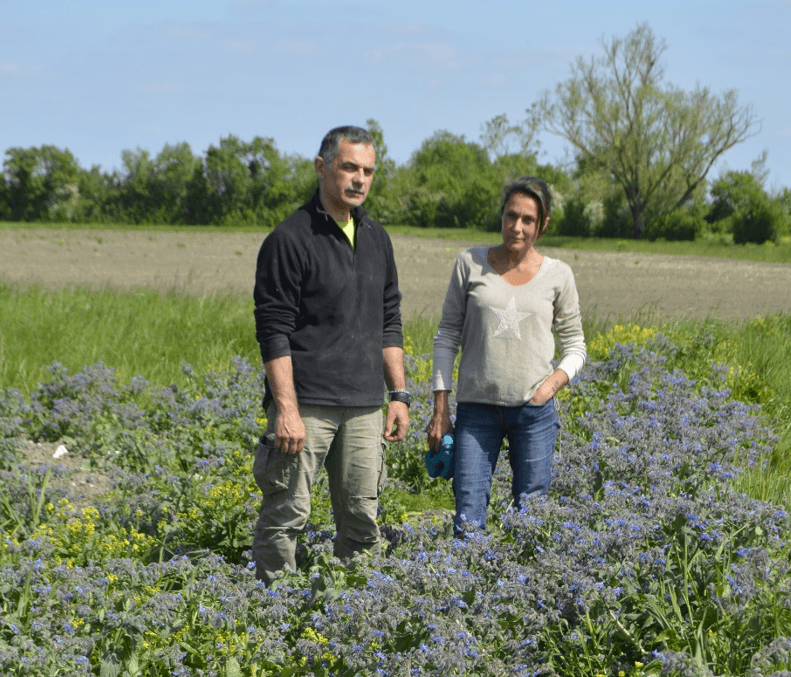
{"x": 614, "y": 285}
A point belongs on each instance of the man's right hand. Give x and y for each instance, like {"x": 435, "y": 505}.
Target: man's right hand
{"x": 290, "y": 432}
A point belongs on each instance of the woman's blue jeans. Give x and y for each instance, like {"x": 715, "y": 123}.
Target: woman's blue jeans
{"x": 531, "y": 431}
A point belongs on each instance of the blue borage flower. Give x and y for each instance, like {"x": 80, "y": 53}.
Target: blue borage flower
{"x": 640, "y": 509}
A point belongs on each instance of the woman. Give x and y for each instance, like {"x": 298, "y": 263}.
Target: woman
{"x": 502, "y": 306}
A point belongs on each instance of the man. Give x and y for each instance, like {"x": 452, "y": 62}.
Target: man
{"x": 327, "y": 311}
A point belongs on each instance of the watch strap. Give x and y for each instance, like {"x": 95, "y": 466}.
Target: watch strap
{"x": 401, "y": 396}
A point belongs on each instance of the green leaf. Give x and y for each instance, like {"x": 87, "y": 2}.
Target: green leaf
{"x": 232, "y": 667}
{"x": 110, "y": 666}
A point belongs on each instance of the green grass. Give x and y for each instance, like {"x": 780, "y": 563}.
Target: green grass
{"x": 136, "y": 332}
{"x": 765, "y": 253}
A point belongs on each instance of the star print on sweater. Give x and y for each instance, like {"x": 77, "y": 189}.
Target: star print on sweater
{"x": 510, "y": 319}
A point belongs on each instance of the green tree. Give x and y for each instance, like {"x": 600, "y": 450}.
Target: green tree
{"x": 684, "y": 223}
{"x": 41, "y": 183}
{"x": 385, "y": 165}
{"x": 97, "y": 195}
{"x": 499, "y": 137}
{"x": 197, "y": 198}
{"x": 730, "y": 192}
{"x": 742, "y": 207}
{"x": 135, "y": 200}
{"x": 449, "y": 183}
{"x": 654, "y": 140}
{"x": 227, "y": 180}
{"x": 761, "y": 220}
{"x": 5, "y": 208}
{"x": 250, "y": 182}
{"x": 382, "y": 200}
{"x": 278, "y": 183}
{"x": 575, "y": 218}
{"x": 172, "y": 170}
{"x": 785, "y": 200}
{"x": 502, "y": 139}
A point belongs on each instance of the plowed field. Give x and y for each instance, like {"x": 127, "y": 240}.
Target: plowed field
{"x": 614, "y": 285}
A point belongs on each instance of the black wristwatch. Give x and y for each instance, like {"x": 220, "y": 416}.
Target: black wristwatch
{"x": 400, "y": 396}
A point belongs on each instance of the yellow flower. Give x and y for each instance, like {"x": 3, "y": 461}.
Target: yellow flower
{"x": 90, "y": 513}
{"x": 313, "y": 636}
{"x": 602, "y": 345}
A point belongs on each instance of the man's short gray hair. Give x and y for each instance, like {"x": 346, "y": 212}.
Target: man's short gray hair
{"x": 330, "y": 143}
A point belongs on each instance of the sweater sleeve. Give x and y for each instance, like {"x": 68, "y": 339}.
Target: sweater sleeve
{"x": 276, "y": 294}
{"x": 448, "y": 337}
{"x": 392, "y": 331}
{"x": 568, "y": 328}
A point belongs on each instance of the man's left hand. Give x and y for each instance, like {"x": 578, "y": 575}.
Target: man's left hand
{"x": 398, "y": 416}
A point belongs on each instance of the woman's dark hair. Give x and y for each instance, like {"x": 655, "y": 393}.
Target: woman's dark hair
{"x": 535, "y": 188}
{"x": 331, "y": 141}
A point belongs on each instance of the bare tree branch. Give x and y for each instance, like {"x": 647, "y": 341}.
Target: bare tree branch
{"x": 656, "y": 141}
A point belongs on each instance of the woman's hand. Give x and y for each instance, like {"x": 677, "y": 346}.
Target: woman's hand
{"x": 551, "y": 385}
{"x": 440, "y": 421}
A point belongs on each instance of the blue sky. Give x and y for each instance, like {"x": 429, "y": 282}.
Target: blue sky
{"x": 99, "y": 76}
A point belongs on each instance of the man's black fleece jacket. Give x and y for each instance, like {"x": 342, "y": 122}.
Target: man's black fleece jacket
{"x": 330, "y": 307}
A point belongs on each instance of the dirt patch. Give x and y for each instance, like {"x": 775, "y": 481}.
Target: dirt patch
{"x": 614, "y": 285}
{"x": 71, "y": 474}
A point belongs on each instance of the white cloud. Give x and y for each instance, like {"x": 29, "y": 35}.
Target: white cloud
{"x": 441, "y": 52}
{"x": 247, "y": 47}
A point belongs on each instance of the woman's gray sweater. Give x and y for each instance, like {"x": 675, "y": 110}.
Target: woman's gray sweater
{"x": 506, "y": 332}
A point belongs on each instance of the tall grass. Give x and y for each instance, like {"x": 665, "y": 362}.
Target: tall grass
{"x": 151, "y": 334}
{"x": 139, "y": 332}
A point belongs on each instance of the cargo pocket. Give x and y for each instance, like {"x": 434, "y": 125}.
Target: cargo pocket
{"x": 382, "y": 480}
{"x": 271, "y": 468}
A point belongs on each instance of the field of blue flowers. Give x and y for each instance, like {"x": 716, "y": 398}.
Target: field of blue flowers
{"x": 643, "y": 559}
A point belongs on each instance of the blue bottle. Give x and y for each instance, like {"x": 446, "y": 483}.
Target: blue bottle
{"x": 440, "y": 463}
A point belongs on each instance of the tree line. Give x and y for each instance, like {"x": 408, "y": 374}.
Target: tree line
{"x": 642, "y": 150}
